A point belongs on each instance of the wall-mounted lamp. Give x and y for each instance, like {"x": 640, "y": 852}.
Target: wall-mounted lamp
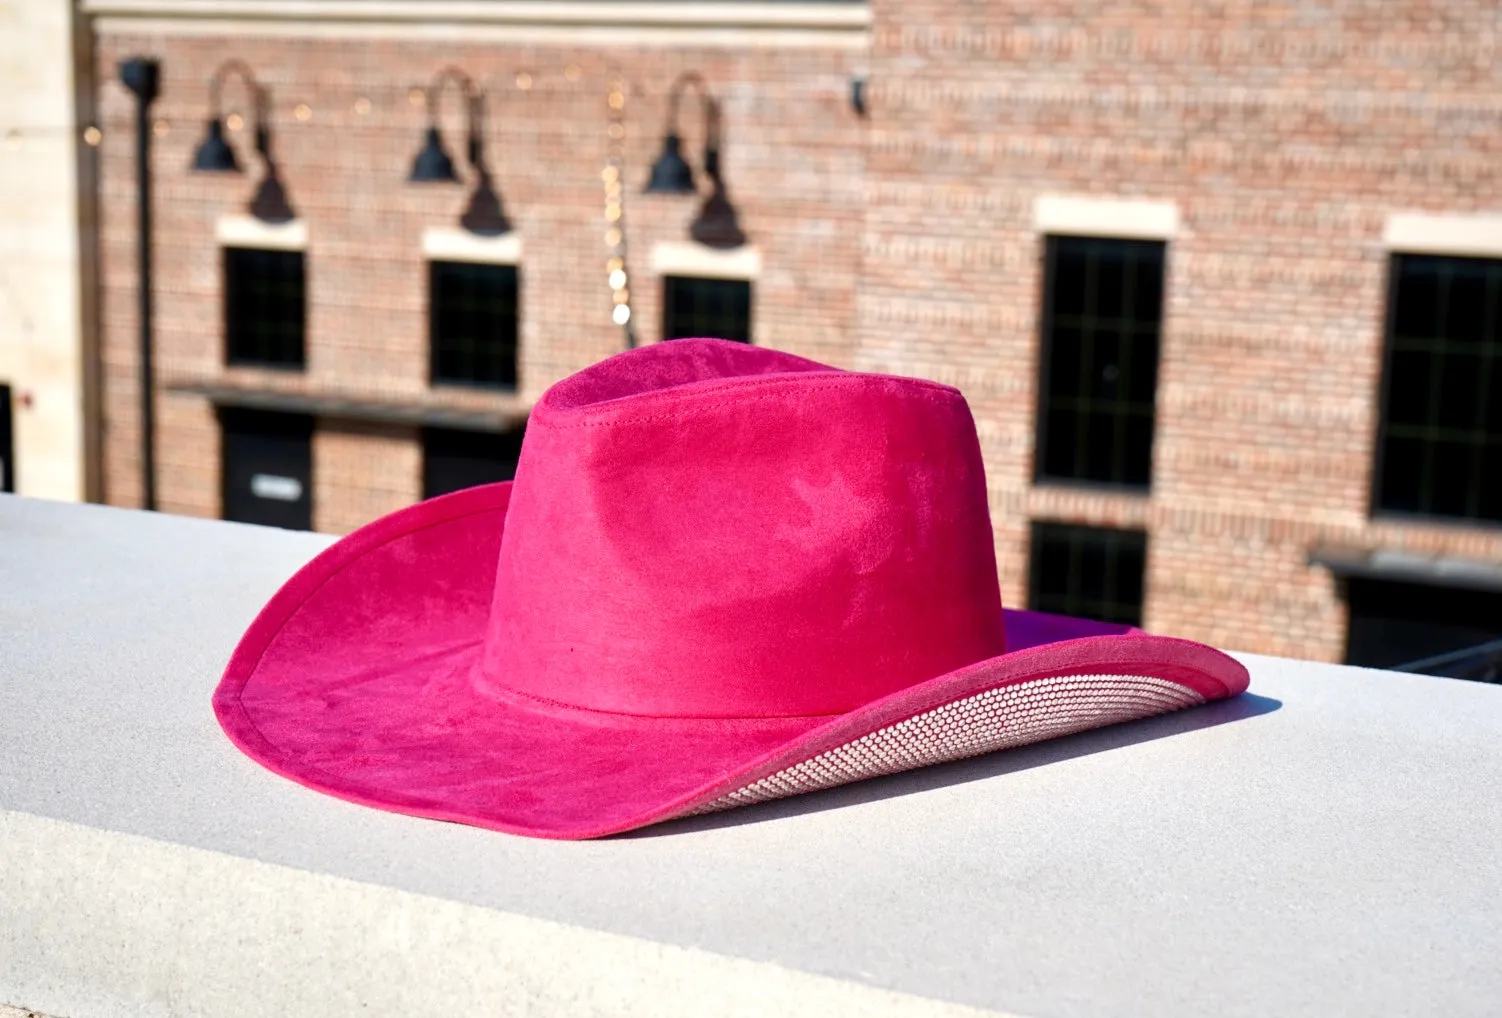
{"x": 214, "y": 154}
{"x": 716, "y": 224}
{"x": 433, "y": 164}
{"x": 858, "y": 95}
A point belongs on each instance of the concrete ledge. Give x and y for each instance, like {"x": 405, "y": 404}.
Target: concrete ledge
{"x": 685, "y": 258}
{"x": 1324, "y": 845}
{"x": 1131, "y": 218}
{"x": 197, "y": 932}
{"x": 248, "y": 231}
{"x": 452, "y": 244}
{"x": 1464, "y": 235}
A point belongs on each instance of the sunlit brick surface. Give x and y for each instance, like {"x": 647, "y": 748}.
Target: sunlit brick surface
{"x": 901, "y": 242}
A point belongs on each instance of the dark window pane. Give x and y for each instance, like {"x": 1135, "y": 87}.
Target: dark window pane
{"x": 1490, "y": 506}
{"x": 1070, "y": 267}
{"x": 1451, "y": 479}
{"x": 453, "y": 459}
{"x": 472, "y": 314}
{"x": 1100, "y": 459}
{"x": 1459, "y": 395}
{"x": 1408, "y": 398}
{"x": 1465, "y": 318}
{"x": 264, "y": 307}
{"x": 1106, "y": 365}
{"x": 1100, "y": 360}
{"x": 1403, "y": 475}
{"x": 714, "y": 308}
{"x": 1063, "y": 434}
{"x": 1443, "y": 387}
{"x": 1110, "y": 283}
{"x": 1066, "y": 363}
{"x": 1088, "y": 572}
{"x": 1139, "y": 445}
{"x": 1417, "y": 300}
{"x": 1147, "y": 291}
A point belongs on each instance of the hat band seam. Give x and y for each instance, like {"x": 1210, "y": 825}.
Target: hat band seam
{"x": 942, "y": 395}
{"x": 565, "y": 705}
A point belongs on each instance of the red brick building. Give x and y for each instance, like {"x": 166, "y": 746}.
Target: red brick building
{"x": 1221, "y": 283}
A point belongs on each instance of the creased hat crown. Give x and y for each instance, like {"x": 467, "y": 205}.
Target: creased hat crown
{"x": 707, "y": 529}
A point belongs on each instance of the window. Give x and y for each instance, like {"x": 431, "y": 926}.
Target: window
{"x": 1103, "y": 306}
{"x": 462, "y": 459}
{"x": 267, "y": 468}
{"x": 1440, "y": 448}
{"x": 472, "y": 323}
{"x": 718, "y": 308}
{"x": 1088, "y": 572}
{"x": 264, "y": 307}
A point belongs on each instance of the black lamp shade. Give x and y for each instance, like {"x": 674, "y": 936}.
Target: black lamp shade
{"x": 214, "y": 154}
{"x": 716, "y": 225}
{"x": 433, "y": 163}
{"x": 270, "y": 203}
{"x": 484, "y": 215}
{"x": 671, "y": 174}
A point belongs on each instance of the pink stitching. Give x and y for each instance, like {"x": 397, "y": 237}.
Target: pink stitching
{"x": 943, "y": 395}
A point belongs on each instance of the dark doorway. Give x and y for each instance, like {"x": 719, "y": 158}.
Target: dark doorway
{"x": 454, "y": 459}
{"x": 267, "y": 468}
{"x": 1397, "y": 624}
{"x": 7, "y": 442}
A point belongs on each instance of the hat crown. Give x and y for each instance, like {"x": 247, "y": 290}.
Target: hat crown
{"x": 707, "y": 529}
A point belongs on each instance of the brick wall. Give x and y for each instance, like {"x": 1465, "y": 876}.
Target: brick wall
{"x": 792, "y": 159}
{"x": 1285, "y": 134}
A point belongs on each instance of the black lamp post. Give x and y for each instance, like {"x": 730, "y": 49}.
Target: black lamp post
{"x": 142, "y": 76}
{"x": 484, "y": 214}
{"x": 214, "y": 154}
{"x": 716, "y": 224}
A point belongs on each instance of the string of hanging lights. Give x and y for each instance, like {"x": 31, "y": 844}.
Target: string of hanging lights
{"x": 615, "y": 209}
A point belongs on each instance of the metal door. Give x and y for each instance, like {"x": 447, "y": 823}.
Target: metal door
{"x": 267, "y": 468}
{"x": 461, "y": 459}
{"x": 1394, "y": 625}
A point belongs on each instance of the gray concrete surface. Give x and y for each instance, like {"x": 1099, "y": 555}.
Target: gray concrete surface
{"x": 1327, "y": 844}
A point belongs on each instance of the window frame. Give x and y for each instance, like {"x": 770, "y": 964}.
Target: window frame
{"x": 1045, "y": 348}
{"x": 1378, "y": 458}
{"x": 230, "y": 302}
{"x": 434, "y": 380}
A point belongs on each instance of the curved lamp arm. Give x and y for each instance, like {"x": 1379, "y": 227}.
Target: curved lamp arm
{"x": 259, "y": 100}
{"x": 711, "y": 110}
{"x": 474, "y": 109}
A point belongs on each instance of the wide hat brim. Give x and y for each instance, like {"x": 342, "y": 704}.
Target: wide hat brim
{"x": 356, "y": 680}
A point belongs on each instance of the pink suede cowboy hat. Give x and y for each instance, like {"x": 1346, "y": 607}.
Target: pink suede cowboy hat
{"x": 722, "y": 575}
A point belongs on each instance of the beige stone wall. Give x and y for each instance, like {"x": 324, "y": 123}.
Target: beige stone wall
{"x": 42, "y": 325}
